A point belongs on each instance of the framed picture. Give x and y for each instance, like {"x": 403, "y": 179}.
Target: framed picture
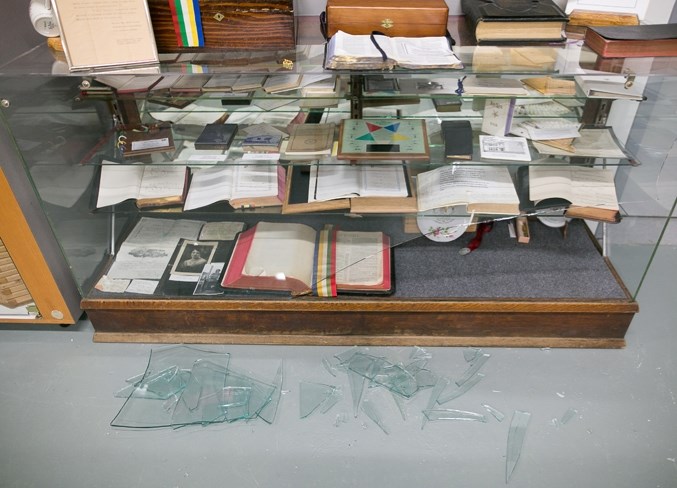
{"x": 98, "y": 35}
{"x": 193, "y": 256}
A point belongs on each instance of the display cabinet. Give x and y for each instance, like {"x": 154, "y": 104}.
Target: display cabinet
{"x": 574, "y": 284}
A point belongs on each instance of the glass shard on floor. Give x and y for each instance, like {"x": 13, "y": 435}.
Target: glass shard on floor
{"x": 185, "y": 385}
{"x": 516, "y": 435}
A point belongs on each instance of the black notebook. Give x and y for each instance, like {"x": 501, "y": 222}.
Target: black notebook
{"x": 216, "y": 136}
{"x": 457, "y": 137}
{"x": 515, "y": 20}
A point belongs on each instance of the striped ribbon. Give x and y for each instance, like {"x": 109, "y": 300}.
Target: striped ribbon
{"x": 325, "y": 263}
{"x": 187, "y": 23}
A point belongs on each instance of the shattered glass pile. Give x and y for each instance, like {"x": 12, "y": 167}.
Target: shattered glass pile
{"x": 184, "y": 385}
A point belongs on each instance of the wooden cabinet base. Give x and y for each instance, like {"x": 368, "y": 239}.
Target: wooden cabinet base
{"x": 365, "y": 322}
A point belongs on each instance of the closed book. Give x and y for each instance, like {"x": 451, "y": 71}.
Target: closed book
{"x": 633, "y": 41}
{"x": 457, "y": 136}
{"x": 517, "y": 20}
{"x": 216, "y": 136}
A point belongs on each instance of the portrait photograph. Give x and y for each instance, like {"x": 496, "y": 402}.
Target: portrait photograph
{"x": 193, "y": 256}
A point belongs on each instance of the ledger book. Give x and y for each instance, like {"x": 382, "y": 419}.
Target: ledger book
{"x": 278, "y": 256}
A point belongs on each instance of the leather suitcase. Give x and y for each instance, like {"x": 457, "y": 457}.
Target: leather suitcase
{"x": 250, "y": 25}
{"x": 402, "y": 18}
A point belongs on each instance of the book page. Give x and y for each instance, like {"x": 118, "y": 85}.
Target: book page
{"x": 594, "y": 187}
{"x": 162, "y": 181}
{"x": 464, "y": 185}
{"x": 359, "y": 258}
{"x": 209, "y": 185}
{"x": 118, "y": 183}
{"x": 282, "y": 250}
{"x": 255, "y": 180}
{"x": 334, "y": 181}
{"x": 359, "y": 46}
{"x": 583, "y": 187}
{"x": 421, "y": 51}
{"x": 549, "y": 182}
{"x": 104, "y": 33}
{"x": 383, "y": 180}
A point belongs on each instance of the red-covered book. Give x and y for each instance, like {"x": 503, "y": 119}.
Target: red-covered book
{"x": 284, "y": 257}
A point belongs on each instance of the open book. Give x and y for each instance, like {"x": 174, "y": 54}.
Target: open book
{"x": 482, "y": 189}
{"x": 295, "y": 257}
{"x": 149, "y": 185}
{"x": 241, "y": 185}
{"x": 348, "y": 51}
{"x": 588, "y": 193}
{"x": 363, "y": 188}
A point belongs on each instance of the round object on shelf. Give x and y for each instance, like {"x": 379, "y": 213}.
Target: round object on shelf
{"x": 444, "y": 224}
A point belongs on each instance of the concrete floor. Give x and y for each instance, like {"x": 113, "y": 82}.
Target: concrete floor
{"x": 57, "y": 400}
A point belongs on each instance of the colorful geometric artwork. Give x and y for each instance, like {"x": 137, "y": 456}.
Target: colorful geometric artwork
{"x": 383, "y": 139}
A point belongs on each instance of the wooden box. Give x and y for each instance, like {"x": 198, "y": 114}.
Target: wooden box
{"x": 402, "y": 18}
{"x": 232, "y": 25}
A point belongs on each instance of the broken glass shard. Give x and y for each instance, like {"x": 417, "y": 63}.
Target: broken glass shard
{"x": 497, "y": 414}
{"x": 268, "y": 412}
{"x": 473, "y": 369}
{"x": 453, "y": 414}
{"x": 459, "y": 390}
{"x": 371, "y": 411}
{"x": 516, "y": 435}
{"x": 314, "y": 396}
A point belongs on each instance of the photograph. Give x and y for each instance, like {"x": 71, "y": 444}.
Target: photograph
{"x": 193, "y": 256}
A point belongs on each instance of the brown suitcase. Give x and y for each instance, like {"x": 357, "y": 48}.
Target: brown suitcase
{"x": 250, "y": 25}
{"x": 401, "y": 18}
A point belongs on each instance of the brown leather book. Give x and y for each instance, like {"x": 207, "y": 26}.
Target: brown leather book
{"x": 633, "y": 41}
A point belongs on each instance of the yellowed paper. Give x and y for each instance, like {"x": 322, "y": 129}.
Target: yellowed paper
{"x": 103, "y": 33}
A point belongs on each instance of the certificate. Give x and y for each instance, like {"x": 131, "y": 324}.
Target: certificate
{"x": 99, "y": 34}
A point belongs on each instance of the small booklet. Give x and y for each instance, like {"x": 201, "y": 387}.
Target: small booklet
{"x": 149, "y": 185}
{"x": 348, "y": 51}
{"x": 310, "y": 140}
{"x": 157, "y": 138}
{"x": 284, "y": 257}
{"x": 498, "y": 113}
{"x": 481, "y": 189}
{"x": 504, "y": 148}
{"x": 240, "y": 184}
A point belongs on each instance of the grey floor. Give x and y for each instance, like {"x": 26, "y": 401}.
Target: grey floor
{"x": 57, "y": 400}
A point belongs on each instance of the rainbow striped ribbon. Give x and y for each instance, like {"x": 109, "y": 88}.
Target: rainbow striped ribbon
{"x": 325, "y": 263}
{"x": 187, "y": 23}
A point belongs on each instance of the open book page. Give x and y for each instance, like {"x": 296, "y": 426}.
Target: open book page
{"x": 418, "y": 52}
{"x": 282, "y": 250}
{"x": 383, "y": 180}
{"x": 359, "y": 52}
{"x": 359, "y": 258}
{"x": 162, "y": 181}
{"x": 209, "y": 185}
{"x": 342, "y": 180}
{"x": 596, "y": 143}
{"x": 255, "y": 180}
{"x": 348, "y": 45}
{"x": 118, "y": 183}
{"x": 332, "y": 181}
{"x": 584, "y": 187}
{"x": 487, "y": 188}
